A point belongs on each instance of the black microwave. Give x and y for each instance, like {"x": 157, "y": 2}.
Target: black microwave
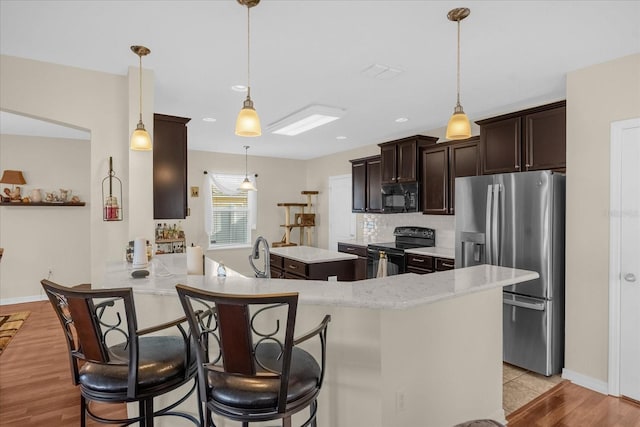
{"x": 398, "y": 198}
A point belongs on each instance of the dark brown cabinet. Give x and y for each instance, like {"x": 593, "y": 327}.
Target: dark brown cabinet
{"x": 169, "y": 167}
{"x": 361, "y": 263}
{"x": 440, "y": 164}
{"x": 532, "y": 139}
{"x": 399, "y": 159}
{"x": 365, "y": 183}
{"x": 423, "y": 264}
{"x": 287, "y": 268}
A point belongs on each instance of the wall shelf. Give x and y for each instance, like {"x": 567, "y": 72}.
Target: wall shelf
{"x": 42, "y": 204}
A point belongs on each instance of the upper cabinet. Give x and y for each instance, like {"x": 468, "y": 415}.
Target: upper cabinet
{"x": 365, "y": 176}
{"x": 440, "y": 164}
{"x": 399, "y": 159}
{"x": 169, "y": 167}
{"x": 531, "y": 139}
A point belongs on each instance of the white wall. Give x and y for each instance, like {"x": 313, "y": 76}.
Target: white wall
{"x": 596, "y": 97}
{"x": 38, "y": 239}
{"x": 98, "y": 103}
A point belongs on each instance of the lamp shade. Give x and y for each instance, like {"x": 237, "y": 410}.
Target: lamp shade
{"x": 140, "y": 139}
{"x": 12, "y": 177}
{"x": 459, "y": 126}
{"x": 248, "y": 122}
{"x": 246, "y": 185}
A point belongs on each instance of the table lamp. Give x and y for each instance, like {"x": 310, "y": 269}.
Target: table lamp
{"x": 14, "y": 178}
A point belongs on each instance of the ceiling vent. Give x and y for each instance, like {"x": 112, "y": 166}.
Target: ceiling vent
{"x": 382, "y": 72}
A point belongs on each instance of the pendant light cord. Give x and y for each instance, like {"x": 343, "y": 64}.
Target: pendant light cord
{"x": 140, "y": 75}
{"x": 246, "y": 165}
{"x": 458, "y": 83}
{"x": 248, "y": 52}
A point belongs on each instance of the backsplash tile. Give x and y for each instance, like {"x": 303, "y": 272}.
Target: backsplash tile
{"x": 379, "y": 227}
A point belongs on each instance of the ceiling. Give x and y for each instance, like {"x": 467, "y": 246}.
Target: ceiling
{"x": 515, "y": 54}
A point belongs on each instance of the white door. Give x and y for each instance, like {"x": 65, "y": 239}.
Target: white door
{"x": 342, "y": 222}
{"x": 625, "y": 250}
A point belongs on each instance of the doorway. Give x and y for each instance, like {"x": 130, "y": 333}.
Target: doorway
{"x": 624, "y": 260}
{"x": 342, "y": 222}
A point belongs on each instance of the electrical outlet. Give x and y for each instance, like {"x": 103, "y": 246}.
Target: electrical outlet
{"x": 195, "y": 191}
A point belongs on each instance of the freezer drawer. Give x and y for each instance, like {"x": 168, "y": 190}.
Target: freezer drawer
{"x": 531, "y": 339}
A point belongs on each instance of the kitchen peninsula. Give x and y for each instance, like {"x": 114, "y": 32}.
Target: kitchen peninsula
{"x": 405, "y": 350}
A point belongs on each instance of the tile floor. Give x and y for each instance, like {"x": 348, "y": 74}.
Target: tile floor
{"x": 520, "y": 386}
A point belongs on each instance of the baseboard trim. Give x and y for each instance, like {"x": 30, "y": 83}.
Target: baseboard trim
{"x": 586, "y": 381}
{"x": 20, "y": 300}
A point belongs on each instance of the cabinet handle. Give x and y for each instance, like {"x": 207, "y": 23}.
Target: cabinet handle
{"x": 293, "y": 267}
{"x": 527, "y": 165}
{"x": 517, "y": 166}
{"x": 444, "y": 264}
{"x": 417, "y": 259}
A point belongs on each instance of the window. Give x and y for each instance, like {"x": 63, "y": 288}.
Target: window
{"x": 231, "y": 212}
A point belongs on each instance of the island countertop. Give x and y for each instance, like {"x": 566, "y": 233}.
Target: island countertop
{"x": 433, "y": 251}
{"x": 393, "y": 292}
{"x": 311, "y": 255}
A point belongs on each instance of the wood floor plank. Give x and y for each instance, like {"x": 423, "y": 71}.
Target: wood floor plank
{"x": 35, "y": 381}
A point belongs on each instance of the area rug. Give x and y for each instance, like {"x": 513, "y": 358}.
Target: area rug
{"x": 9, "y": 325}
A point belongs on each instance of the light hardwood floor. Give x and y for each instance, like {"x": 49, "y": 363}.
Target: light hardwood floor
{"x": 35, "y": 380}
{"x": 36, "y": 388}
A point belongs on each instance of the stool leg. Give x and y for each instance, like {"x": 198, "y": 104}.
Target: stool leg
{"x": 83, "y": 411}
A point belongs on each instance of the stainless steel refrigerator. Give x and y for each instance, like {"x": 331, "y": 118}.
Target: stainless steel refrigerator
{"x": 517, "y": 220}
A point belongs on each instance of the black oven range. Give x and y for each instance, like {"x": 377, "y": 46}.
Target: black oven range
{"x": 407, "y": 237}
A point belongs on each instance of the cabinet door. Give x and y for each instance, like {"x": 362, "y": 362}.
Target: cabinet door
{"x": 500, "y": 146}
{"x": 545, "y": 140}
{"x": 169, "y": 167}
{"x": 407, "y": 161}
{"x": 359, "y": 186}
{"x": 389, "y": 172}
{"x": 374, "y": 194}
{"x": 464, "y": 160}
{"x": 435, "y": 178}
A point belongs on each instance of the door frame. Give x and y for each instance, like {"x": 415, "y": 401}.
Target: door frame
{"x": 352, "y": 223}
{"x": 617, "y": 129}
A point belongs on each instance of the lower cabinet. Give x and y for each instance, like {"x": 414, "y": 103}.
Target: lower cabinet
{"x": 287, "y": 268}
{"x": 361, "y": 263}
{"x": 423, "y": 264}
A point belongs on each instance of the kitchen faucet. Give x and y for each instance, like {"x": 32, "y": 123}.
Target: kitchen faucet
{"x": 255, "y": 254}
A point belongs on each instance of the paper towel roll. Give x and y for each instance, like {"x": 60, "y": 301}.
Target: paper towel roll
{"x": 195, "y": 260}
{"x": 140, "y": 253}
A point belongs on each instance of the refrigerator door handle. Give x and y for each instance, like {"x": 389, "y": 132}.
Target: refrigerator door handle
{"x": 494, "y": 226}
{"x": 538, "y": 306}
{"x": 488, "y": 230}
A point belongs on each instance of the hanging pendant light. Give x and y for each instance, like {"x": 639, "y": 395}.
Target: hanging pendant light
{"x": 248, "y": 122}
{"x": 459, "y": 126}
{"x": 140, "y": 138}
{"x": 246, "y": 185}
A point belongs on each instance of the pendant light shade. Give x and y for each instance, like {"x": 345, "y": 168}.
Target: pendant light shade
{"x": 458, "y": 126}
{"x": 140, "y": 138}
{"x": 246, "y": 184}
{"x": 248, "y": 122}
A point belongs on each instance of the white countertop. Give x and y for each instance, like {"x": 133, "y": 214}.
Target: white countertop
{"x": 433, "y": 251}
{"x": 310, "y": 255}
{"x": 393, "y": 292}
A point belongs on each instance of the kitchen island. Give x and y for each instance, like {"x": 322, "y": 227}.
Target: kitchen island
{"x": 406, "y": 350}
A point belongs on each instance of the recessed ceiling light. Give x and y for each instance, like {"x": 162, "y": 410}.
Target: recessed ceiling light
{"x": 239, "y": 88}
{"x": 341, "y": 137}
{"x": 306, "y": 119}
{"x": 209, "y": 119}
{"x": 401, "y": 120}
